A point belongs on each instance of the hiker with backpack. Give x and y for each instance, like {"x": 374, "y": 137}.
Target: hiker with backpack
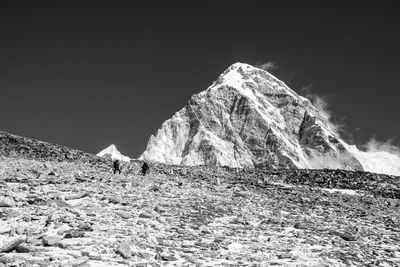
{"x": 145, "y": 168}
{"x": 117, "y": 166}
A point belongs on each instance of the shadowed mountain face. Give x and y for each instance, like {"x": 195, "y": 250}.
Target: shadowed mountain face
{"x": 249, "y": 118}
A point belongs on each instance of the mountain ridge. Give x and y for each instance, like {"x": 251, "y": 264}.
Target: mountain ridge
{"x": 16, "y": 145}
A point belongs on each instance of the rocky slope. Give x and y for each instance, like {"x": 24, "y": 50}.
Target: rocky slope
{"x": 77, "y": 214}
{"x": 249, "y": 118}
{"x": 12, "y": 145}
{"x": 71, "y": 211}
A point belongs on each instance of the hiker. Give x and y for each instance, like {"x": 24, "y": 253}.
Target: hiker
{"x": 117, "y": 166}
{"x": 145, "y": 167}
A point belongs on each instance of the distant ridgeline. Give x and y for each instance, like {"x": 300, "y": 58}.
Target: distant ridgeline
{"x": 12, "y": 145}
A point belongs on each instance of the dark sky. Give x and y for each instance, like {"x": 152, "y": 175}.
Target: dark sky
{"x": 87, "y": 74}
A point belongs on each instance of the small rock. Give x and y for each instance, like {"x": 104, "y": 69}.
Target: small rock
{"x": 6, "y": 260}
{"x": 78, "y": 196}
{"x": 240, "y": 220}
{"x": 95, "y": 257}
{"x": 100, "y": 227}
{"x": 168, "y": 258}
{"x": 299, "y": 225}
{"x": 11, "y": 245}
{"x": 4, "y": 229}
{"x": 239, "y": 194}
{"x": 13, "y": 232}
{"x": 58, "y": 202}
{"x": 85, "y": 226}
{"x": 145, "y": 215}
{"x": 285, "y": 256}
{"x": 63, "y": 245}
{"x": 141, "y": 222}
{"x": 85, "y": 253}
{"x": 52, "y": 218}
{"x": 34, "y": 241}
{"x": 159, "y": 209}
{"x": 124, "y": 250}
{"x": 47, "y": 165}
{"x": 123, "y": 214}
{"x": 81, "y": 262}
{"x": 7, "y": 201}
{"x": 219, "y": 209}
{"x": 22, "y": 249}
{"x": 155, "y": 188}
{"x": 271, "y": 220}
{"x": 66, "y": 219}
{"x": 74, "y": 233}
{"x": 27, "y": 218}
{"x": 51, "y": 240}
{"x": 73, "y": 224}
{"x": 344, "y": 236}
{"x": 20, "y": 230}
{"x": 206, "y": 231}
{"x": 188, "y": 244}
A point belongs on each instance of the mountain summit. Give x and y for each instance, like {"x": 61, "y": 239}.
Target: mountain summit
{"x": 249, "y": 118}
{"x": 113, "y": 152}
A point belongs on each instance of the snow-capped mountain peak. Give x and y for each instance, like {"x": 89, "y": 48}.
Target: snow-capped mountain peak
{"x": 114, "y": 153}
{"x": 249, "y": 118}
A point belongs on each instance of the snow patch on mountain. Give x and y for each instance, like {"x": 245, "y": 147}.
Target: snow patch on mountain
{"x": 114, "y": 153}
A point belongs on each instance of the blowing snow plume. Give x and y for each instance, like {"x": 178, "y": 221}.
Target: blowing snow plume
{"x": 321, "y": 103}
{"x": 374, "y": 145}
{"x": 267, "y": 66}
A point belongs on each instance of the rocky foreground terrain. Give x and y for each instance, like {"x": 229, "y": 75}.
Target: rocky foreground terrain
{"x": 63, "y": 207}
{"x": 60, "y": 213}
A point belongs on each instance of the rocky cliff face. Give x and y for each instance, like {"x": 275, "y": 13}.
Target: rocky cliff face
{"x": 249, "y": 118}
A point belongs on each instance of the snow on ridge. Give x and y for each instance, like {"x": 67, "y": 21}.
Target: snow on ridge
{"x": 114, "y": 153}
{"x": 290, "y": 92}
{"x": 378, "y": 162}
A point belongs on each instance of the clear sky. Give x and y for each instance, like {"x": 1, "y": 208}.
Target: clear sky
{"x": 90, "y": 73}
